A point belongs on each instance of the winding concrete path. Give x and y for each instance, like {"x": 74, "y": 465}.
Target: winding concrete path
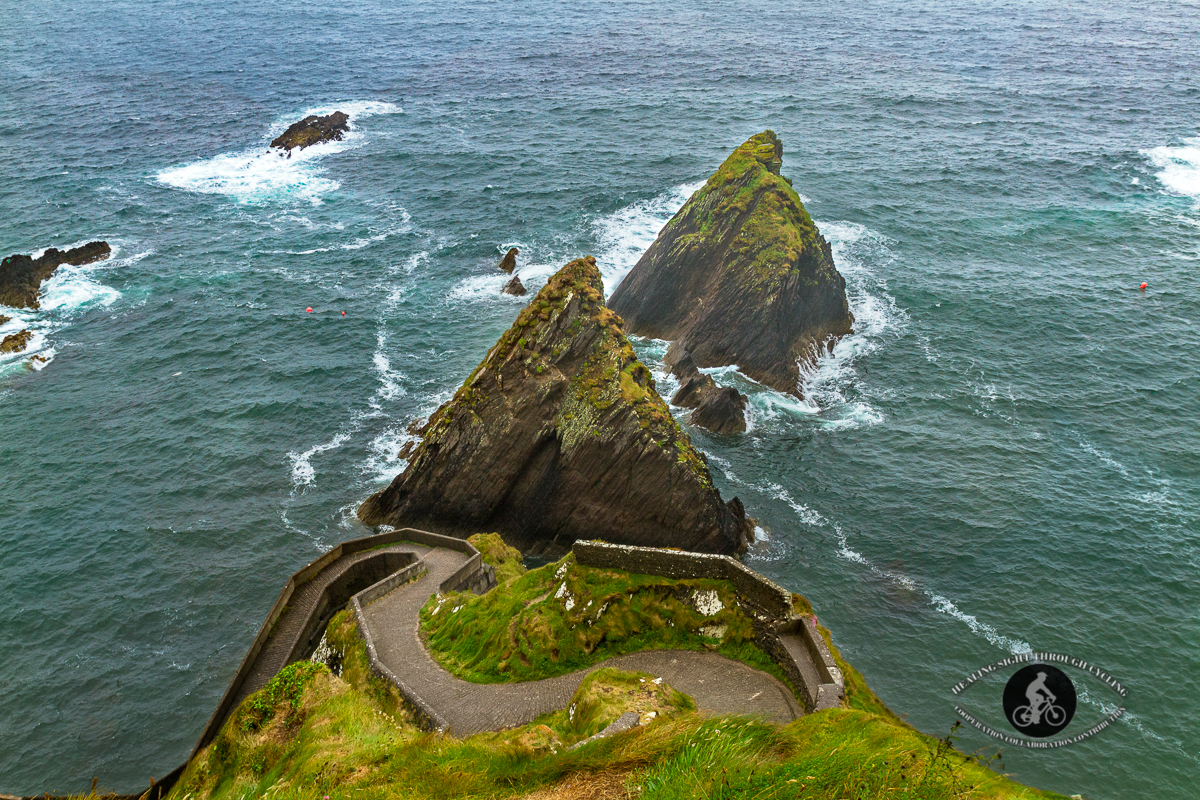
{"x": 716, "y": 683}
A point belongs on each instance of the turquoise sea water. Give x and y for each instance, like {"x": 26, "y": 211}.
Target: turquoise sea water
{"x": 1003, "y": 456}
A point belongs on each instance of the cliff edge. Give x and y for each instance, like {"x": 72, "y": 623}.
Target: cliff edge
{"x": 740, "y": 275}
{"x": 560, "y": 434}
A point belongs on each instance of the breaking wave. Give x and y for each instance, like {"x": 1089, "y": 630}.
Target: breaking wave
{"x": 259, "y": 175}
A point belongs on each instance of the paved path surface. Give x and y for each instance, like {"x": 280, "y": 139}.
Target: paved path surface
{"x": 716, "y": 683}
{"x": 273, "y": 656}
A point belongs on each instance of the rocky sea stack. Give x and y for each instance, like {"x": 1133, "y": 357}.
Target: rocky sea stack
{"x": 314, "y": 130}
{"x": 560, "y": 434}
{"x": 740, "y": 275}
{"x": 21, "y": 276}
{"x": 509, "y": 262}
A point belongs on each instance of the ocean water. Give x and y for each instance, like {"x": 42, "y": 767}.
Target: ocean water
{"x": 1002, "y": 457}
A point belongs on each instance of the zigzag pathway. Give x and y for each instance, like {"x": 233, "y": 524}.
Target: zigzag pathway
{"x": 716, "y": 683}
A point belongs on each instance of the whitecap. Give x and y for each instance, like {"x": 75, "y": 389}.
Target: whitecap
{"x": 71, "y": 288}
{"x": 1179, "y": 167}
{"x": 381, "y": 465}
{"x": 489, "y": 288}
{"x": 253, "y": 176}
{"x": 302, "y": 468}
{"x": 831, "y": 384}
{"x": 1104, "y": 457}
{"x": 390, "y": 380}
{"x": 625, "y": 235}
{"x": 946, "y": 606}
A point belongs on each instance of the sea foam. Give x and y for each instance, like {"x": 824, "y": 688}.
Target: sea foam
{"x": 625, "y": 235}
{"x": 1179, "y": 167}
{"x": 261, "y": 175}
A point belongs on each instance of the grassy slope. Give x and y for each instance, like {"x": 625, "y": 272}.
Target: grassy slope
{"x": 563, "y": 617}
{"x": 310, "y": 734}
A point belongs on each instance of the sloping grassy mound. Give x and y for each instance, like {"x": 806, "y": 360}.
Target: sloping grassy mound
{"x": 343, "y": 738}
{"x": 564, "y": 616}
{"x": 507, "y": 560}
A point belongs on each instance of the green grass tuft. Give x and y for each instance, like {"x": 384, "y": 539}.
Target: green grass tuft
{"x": 507, "y": 560}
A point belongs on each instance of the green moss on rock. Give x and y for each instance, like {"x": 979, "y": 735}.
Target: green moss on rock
{"x": 740, "y": 275}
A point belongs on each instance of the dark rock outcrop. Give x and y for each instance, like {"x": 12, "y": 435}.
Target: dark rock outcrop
{"x": 560, "y": 434}
{"x": 741, "y": 275}
{"x": 16, "y": 342}
{"x": 21, "y": 276}
{"x": 693, "y": 391}
{"x": 4, "y": 320}
{"x": 313, "y": 130}
{"x": 509, "y": 262}
{"x": 515, "y": 287}
{"x": 721, "y": 411}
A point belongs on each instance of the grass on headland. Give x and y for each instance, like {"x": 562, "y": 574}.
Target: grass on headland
{"x": 563, "y": 617}
{"x": 506, "y": 559}
{"x": 343, "y": 737}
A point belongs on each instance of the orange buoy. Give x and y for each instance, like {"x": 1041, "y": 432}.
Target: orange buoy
{"x": 309, "y": 309}
{"x": 1143, "y": 286}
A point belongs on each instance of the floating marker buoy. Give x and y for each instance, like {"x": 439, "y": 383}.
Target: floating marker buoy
{"x": 309, "y": 309}
{"x": 343, "y": 313}
{"x": 1143, "y": 286}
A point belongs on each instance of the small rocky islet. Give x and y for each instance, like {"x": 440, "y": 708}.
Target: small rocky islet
{"x": 560, "y": 434}
{"x": 740, "y": 276}
{"x": 21, "y": 276}
{"x": 312, "y": 130}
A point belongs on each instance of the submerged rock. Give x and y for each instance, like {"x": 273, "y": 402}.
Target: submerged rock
{"x": 741, "y": 275}
{"x": 16, "y": 342}
{"x": 515, "y": 287}
{"x": 509, "y": 262}
{"x": 560, "y": 434}
{"x": 21, "y": 276}
{"x": 313, "y": 130}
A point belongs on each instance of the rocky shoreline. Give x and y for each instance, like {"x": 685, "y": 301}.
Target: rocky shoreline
{"x": 21, "y": 276}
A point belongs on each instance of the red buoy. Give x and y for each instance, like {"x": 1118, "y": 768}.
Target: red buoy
{"x": 343, "y": 313}
{"x": 1143, "y": 286}
{"x": 309, "y": 309}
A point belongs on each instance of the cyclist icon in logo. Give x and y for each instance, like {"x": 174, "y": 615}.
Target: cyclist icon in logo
{"x": 1039, "y": 700}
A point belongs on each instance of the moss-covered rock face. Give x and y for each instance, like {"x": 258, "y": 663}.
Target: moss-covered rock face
{"x": 561, "y": 434}
{"x": 741, "y": 275}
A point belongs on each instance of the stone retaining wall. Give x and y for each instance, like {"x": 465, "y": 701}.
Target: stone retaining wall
{"x": 762, "y": 593}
